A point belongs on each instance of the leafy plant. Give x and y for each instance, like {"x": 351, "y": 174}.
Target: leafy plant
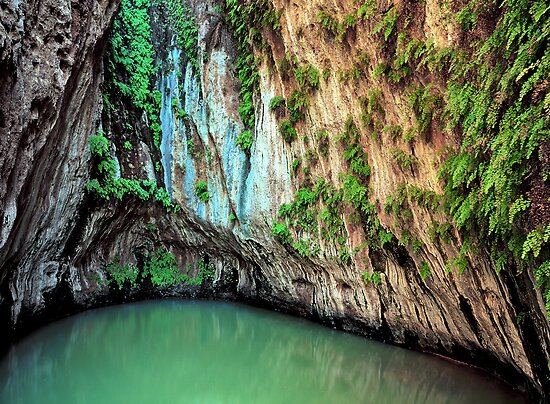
{"x": 295, "y": 165}
{"x": 322, "y": 138}
{"x": 185, "y": 27}
{"x": 99, "y": 145}
{"x": 425, "y": 270}
{"x": 246, "y": 22}
{"x": 131, "y": 56}
{"x": 297, "y": 104}
{"x": 367, "y": 10}
{"x": 304, "y": 248}
{"x": 281, "y": 232}
{"x": 387, "y": 24}
{"x": 181, "y": 114}
{"x": 403, "y": 160}
{"x": 161, "y": 267}
{"x": 373, "y": 277}
{"x": 467, "y": 17}
{"x": 542, "y": 276}
{"x": 201, "y": 190}
{"x": 534, "y": 241}
{"x": 277, "y": 103}
{"x": 357, "y": 159}
{"x": 107, "y": 185}
{"x": 120, "y": 274}
{"x": 329, "y": 23}
{"x": 245, "y": 140}
{"x": 423, "y": 103}
{"x": 287, "y": 131}
{"x": 307, "y": 77}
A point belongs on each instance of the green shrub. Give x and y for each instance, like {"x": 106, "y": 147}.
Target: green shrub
{"x": 387, "y": 24}
{"x": 380, "y": 70}
{"x": 174, "y": 104}
{"x": 467, "y": 17}
{"x": 329, "y": 23}
{"x": 120, "y": 274}
{"x": 181, "y": 114}
{"x": 287, "y": 131}
{"x": 424, "y": 104}
{"x": 357, "y": 159}
{"x": 183, "y": 24}
{"x": 303, "y": 248}
{"x": 367, "y": 10}
{"x": 297, "y": 105}
{"x": 281, "y": 232}
{"x": 130, "y": 56}
{"x": 201, "y": 190}
{"x": 542, "y": 276}
{"x": 357, "y": 195}
{"x": 417, "y": 245}
{"x": 99, "y": 145}
{"x": 385, "y": 237}
{"x": 344, "y": 256}
{"x": 207, "y": 271}
{"x": 295, "y": 165}
{"x": 277, "y": 103}
{"x": 535, "y": 240}
{"x": 425, "y": 270}
{"x": 161, "y": 268}
{"x": 245, "y": 140}
{"x": 247, "y": 21}
{"x": 373, "y": 277}
{"x": 307, "y": 77}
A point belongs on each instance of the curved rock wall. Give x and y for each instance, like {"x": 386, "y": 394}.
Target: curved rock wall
{"x": 51, "y": 70}
{"x": 56, "y": 239}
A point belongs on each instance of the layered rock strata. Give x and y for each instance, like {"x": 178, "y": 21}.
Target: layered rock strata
{"x": 56, "y": 238}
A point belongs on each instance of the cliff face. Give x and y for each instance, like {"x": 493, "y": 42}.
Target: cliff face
{"x": 51, "y": 71}
{"x": 357, "y": 250}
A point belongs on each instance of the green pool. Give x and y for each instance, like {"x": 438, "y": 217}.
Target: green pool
{"x": 210, "y": 352}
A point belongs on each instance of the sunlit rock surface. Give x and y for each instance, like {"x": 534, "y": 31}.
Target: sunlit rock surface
{"x": 56, "y": 239}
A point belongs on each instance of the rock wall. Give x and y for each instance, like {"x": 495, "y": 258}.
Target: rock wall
{"x": 51, "y": 70}
{"x": 56, "y": 238}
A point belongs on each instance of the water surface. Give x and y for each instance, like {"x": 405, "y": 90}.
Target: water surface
{"x": 210, "y": 352}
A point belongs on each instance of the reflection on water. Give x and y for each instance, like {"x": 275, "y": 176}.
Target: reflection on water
{"x": 206, "y": 352}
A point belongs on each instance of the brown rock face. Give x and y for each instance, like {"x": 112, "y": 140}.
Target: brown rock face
{"x": 56, "y": 238}
{"x": 51, "y": 63}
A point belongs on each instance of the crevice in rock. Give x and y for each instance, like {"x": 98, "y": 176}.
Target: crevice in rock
{"x": 466, "y": 309}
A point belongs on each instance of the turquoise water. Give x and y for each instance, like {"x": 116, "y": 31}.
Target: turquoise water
{"x": 210, "y": 352}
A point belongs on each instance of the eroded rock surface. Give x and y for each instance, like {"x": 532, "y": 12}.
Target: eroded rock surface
{"x": 56, "y": 238}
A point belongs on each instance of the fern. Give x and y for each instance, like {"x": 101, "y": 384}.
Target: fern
{"x": 297, "y": 104}
{"x": 307, "y": 77}
{"x": 374, "y": 277}
{"x": 245, "y": 140}
{"x": 519, "y": 205}
{"x": 425, "y": 270}
{"x": 534, "y": 242}
{"x": 387, "y": 24}
{"x": 287, "y": 131}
